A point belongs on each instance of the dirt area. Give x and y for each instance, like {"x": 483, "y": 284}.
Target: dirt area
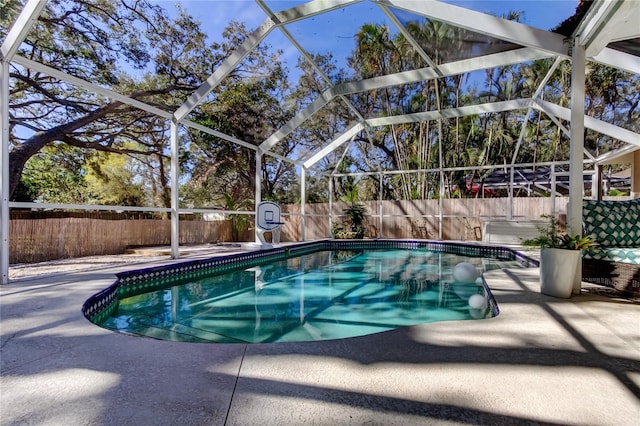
{"x": 133, "y": 256}
{"x": 30, "y": 270}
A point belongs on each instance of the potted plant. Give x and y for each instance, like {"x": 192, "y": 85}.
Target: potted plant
{"x": 560, "y": 255}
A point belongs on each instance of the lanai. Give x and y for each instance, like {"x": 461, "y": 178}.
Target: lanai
{"x": 608, "y": 34}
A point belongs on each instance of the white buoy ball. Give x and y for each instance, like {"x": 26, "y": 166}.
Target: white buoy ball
{"x": 465, "y": 273}
{"x": 477, "y": 313}
{"x": 478, "y": 301}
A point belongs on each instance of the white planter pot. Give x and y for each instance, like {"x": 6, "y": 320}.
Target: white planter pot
{"x": 558, "y": 271}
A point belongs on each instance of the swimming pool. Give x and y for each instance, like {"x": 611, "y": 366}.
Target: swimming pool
{"x": 309, "y": 292}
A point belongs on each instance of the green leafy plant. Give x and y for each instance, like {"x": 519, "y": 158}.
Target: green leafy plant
{"x": 613, "y": 192}
{"x": 554, "y": 236}
{"x": 353, "y": 218}
{"x": 355, "y": 214}
{"x": 239, "y": 222}
{"x": 576, "y": 242}
{"x": 353, "y": 222}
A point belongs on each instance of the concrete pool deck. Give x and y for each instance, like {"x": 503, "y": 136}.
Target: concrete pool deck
{"x": 541, "y": 361}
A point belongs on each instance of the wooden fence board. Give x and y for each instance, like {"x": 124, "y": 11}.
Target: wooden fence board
{"x": 36, "y": 240}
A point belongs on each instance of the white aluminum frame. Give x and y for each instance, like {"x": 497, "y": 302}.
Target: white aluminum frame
{"x": 606, "y": 22}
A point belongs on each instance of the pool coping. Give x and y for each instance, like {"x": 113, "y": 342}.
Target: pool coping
{"x": 541, "y": 361}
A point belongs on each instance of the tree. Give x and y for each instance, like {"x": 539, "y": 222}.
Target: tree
{"x": 323, "y": 126}
{"x": 54, "y": 175}
{"x": 97, "y": 41}
{"x": 250, "y": 105}
{"x": 112, "y": 180}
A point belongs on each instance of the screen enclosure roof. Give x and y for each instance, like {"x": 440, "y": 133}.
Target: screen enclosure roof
{"x": 609, "y": 32}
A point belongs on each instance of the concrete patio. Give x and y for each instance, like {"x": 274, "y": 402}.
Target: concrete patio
{"x": 541, "y": 361}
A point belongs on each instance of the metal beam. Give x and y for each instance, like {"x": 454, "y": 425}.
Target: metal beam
{"x": 52, "y": 72}
{"x": 608, "y": 21}
{"x": 455, "y": 169}
{"x": 482, "y": 23}
{"x": 21, "y": 28}
{"x": 303, "y": 203}
{"x": 312, "y": 8}
{"x": 405, "y": 77}
{"x": 175, "y": 186}
{"x": 523, "y": 130}
{"x": 509, "y": 57}
{"x": 350, "y": 133}
{"x": 451, "y": 112}
{"x": 15, "y": 36}
{"x": 297, "y": 120}
{"x": 409, "y": 37}
{"x": 62, "y": 206}
{"x": 555, "y": 120}
{"x": 223, "y": 70}
{"x": 576, "y": 149}
{"x": 616, "y": 59}
{"x": 600, "y": 126}
{"x": 257, "y": 193}
{"x": 611, "y": 155}
{"x": 546, "y": 78}
{"x": 4, "y": 170}
{"x": 205, "y": 129}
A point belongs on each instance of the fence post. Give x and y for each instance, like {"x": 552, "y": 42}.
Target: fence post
{"x": 303, "y": 196}
{"x": 380, "y": 235}
{"x": 175, "y": 213}
{"x": 330, "y": 205}
{"x": 4, "y": 160}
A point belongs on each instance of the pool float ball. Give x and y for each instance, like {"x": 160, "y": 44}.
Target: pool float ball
{"x": 477, "y": 313}
{"x": 465, "y": 273}
{"x": 478, "y": 301}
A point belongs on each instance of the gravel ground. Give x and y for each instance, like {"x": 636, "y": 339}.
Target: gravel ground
{"x": 144, "y": 255}
{"x": 31, "y": 270}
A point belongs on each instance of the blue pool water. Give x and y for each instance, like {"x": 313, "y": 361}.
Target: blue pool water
{"x": 317, "y": 296}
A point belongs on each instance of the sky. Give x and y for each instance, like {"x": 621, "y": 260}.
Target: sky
{"x": 334, "y": 32}
{"x": 544, "y": 14}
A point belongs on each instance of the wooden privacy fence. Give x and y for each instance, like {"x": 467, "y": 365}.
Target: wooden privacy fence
{"x": 463, "y": 219}
{"x": 37, "y": 240}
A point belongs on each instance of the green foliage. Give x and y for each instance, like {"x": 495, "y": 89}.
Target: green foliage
{"x": 355, "y": 214}
{"x": 101, "y": 41}
{"x": 54, "y": 175}
{"x": 110, "y": 40}
{"x": 613, "y": 192}
{"x": 239, "y": 222}
{"x": 112, "y": 180}
{"x": 576, "y": 242}
{"x": 552, "y": 236}
{"x": 353, "y": 218}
